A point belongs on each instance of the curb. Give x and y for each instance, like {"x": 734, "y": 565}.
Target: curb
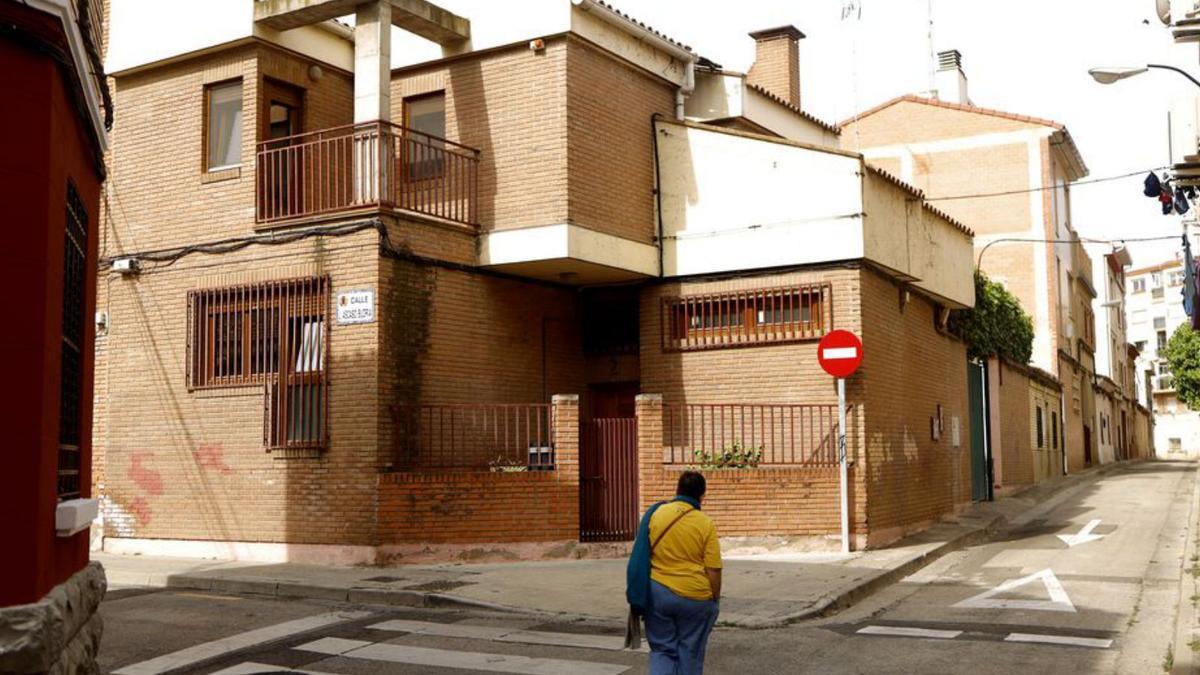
{"x": 823, "y": 607}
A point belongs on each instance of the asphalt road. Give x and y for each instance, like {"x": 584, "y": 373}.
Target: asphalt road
{"x": 1101, "y": 598}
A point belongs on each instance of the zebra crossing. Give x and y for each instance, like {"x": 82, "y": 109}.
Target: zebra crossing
{"x": 351, "y": 642}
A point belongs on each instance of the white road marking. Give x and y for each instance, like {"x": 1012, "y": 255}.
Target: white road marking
{"x": 252, "y": 668}
{"x": 1058, "y": 602}
{"x": 905, "y": 631}
{"x": 1094, "y": 643}
{"x": 830, "y": 353}
{"x": 233, "y": 643}
{"x": 501, "y": 634}
{"x": 442, "y": 658}
{"x": 1083, "y": 536}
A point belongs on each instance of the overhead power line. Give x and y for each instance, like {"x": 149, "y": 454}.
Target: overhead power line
{"x": 1047, "y": 187}
{"x": 1082, "y": 240}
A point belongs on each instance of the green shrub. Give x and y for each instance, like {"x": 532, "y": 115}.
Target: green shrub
{"x": 736, "y": 456}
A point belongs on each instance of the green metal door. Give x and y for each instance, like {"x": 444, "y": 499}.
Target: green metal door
{"x": 979, "y": 453}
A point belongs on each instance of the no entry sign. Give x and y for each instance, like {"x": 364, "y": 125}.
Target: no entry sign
{"x": 840, "y": 353}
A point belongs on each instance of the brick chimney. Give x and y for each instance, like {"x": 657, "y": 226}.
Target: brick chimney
{"x": 950, "y": 80}
{"x": 777, "y": 62}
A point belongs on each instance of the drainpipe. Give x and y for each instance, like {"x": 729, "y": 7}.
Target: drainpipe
{"x": 615, "y": 18}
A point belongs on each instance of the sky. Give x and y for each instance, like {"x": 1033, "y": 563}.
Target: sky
{"x": 1023, "y": 56}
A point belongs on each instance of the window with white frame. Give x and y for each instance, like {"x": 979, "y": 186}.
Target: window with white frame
{"x": 223, "y": 125}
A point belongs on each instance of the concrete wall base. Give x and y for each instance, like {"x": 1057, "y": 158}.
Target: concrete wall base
{"x": 58, "y": 634}
{"x": 315, "y": 554}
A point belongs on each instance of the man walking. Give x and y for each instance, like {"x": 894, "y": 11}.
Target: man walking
{"x": 685, "y": 579}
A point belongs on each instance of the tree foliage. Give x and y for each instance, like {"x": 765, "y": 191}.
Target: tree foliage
{"x": 1183, "y": 354}
{"x": 996, "y": 325}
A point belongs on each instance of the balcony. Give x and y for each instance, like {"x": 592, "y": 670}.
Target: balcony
{"x": 1164, "y": 383}
{"x": 376, "y": 166}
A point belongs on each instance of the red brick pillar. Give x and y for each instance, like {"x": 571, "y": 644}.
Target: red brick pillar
{"x": 564, "y": 414}
{"x": 649, "y": 412}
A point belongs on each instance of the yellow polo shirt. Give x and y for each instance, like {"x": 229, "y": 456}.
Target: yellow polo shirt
{"x": 690, "y": 545}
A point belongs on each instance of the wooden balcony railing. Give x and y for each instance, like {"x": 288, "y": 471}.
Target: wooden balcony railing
{"x": 360, "y": 166}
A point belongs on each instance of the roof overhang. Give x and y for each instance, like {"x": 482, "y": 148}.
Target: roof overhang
{"x": 415, "y": 16}
{"x": 567, "y": 253}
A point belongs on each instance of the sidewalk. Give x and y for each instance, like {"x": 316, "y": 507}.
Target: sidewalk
{"x": 760, "y": 590}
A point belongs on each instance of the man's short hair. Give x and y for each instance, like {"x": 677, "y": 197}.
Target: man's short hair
{"x": 691, "y": 484}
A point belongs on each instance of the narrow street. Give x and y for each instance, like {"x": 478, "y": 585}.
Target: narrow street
{"x": 1099, "y": 598}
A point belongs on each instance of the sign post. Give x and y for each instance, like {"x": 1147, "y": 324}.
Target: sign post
{"x": 840, "y": 353}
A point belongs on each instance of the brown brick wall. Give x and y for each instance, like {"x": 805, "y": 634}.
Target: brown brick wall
{"x": 610, "y": 161}
{"x": 511, "y": 105}
{"x": 959, "y": 172}
{"x": 909, "y": 369}
{"x": 1011, "y": 449}
{"x": 913, "y": 122}
{"x": 158, "y": 190}
{"x": 783, "y": 501}
{"x": 776, "y": 68}
{"x": 787, "y": 373}
{"x": 471, "y": 507}
{"x": 191, "y": 464}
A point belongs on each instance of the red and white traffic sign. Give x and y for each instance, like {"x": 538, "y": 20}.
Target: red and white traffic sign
{"x": 840, "y": 353}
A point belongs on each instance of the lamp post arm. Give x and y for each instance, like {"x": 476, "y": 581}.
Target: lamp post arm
{"x": 1178, "y": 70}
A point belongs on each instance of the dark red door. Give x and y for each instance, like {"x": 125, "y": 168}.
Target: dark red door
{"x": 608, "y": 467}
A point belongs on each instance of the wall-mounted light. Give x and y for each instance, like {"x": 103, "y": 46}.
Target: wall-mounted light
{"x": 537, "y": 44}
{"x": 315, "y": 73}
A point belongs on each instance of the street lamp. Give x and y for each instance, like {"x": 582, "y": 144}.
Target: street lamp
{"x": 1110, "y": 75}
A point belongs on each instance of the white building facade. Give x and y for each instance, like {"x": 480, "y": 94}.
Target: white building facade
{"x": 1155, "y": 309}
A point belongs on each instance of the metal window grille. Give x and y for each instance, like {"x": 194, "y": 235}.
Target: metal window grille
{"x": 74, "y": 304}
{"x": 275, "y": 335}
{"x": 495, "y": 437}
{"x": 775, "y": 434}
{"x": 750, "y": 317}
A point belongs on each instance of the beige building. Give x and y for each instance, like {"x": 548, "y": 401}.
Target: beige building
{"x": 1007, "y": 176}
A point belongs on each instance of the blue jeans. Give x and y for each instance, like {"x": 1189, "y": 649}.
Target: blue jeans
{"x": 677, "y": 629}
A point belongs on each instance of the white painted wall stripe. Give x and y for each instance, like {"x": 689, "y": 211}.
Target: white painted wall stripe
{"x": 233, "y": 643}
{"x": 906, "y": 631}
{"x": 1094, "y": 643}
{"x": 502, "y": 634}
{"x": 442, "y": 658}
{"x": 839, "y": 353}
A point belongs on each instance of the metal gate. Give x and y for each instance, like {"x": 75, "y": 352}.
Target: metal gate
{"x": 608, "y": 485}
{"x": 981, "y": 457}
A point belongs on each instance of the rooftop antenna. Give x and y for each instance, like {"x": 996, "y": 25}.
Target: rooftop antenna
{"x": 932, "y": 56}
{"x": 852, "y": 11}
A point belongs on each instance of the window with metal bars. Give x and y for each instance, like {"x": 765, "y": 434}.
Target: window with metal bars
{"x": 74, "y": 304}
{"x": 273, "y": 334}
{"x": 749, "y": 317}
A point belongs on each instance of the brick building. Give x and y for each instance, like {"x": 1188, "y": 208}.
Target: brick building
{"x": 365, "y": 301}
{"x": 54, "y": 129}
{"x": 1008, "y": 177}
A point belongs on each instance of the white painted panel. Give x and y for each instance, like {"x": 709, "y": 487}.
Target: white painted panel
{"x": 734, "y": 202}
{"x": 444, "y": 658}
{"x": 1094, "y": 643}
{"x": 908, "y": 631}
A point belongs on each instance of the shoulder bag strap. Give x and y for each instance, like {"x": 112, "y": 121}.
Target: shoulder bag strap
{"x": 668, "y": 529}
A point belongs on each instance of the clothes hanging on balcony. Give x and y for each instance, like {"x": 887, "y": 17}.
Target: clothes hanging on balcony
{"x": 1181, "y": 201}
{"x": 1152, "y": 186}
